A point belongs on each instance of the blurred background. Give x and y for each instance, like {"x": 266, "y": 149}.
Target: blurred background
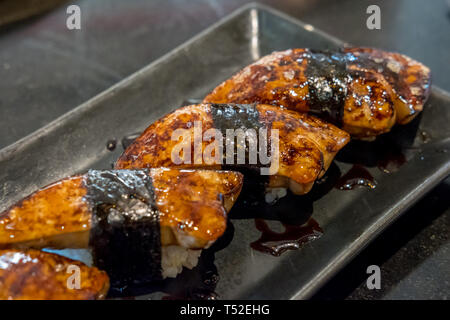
{"x": 47, "y": 70}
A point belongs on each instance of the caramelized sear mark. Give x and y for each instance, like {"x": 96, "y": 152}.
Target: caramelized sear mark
{"x": 292, "y": 238}
{"x": 37, "y": 275}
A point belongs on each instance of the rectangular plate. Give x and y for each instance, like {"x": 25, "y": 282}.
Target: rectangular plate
{"x": 350, "y": 219}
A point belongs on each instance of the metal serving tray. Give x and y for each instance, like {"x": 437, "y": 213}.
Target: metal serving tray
{"x": 350, "y": 219}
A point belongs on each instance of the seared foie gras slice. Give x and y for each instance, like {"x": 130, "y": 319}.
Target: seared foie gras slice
{"x": 306, "y": 145}
{"x": 193, "y": 204}
{"x": 190, "y": 203}
{"x": 410, "y": 79}
{"x": 365, "y": 91}
{"x": 126, "y": 216}
{"x": 37, "y": 275}
{"x": 56, "y": 216}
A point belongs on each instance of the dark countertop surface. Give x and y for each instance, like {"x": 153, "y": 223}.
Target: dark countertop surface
{"x": 47, "y": 70}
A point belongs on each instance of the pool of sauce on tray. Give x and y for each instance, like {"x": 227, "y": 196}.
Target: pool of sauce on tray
{"x": 292, "y": 238}
{"x": 292, "y": 211}
{"x": 356, "y": 176}
{"x": 385, "y": 153}
{"x": 392, "y": 162}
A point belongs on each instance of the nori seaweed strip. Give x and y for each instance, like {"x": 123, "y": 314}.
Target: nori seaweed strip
{"x": 125, "y": 235}
{"x": 235, "y": 116}
{"x": 327, "y": 78}
{"x": 238, "y": 116}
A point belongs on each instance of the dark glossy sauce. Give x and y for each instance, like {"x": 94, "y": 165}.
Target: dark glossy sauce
{"x": 356, "y": 176}
{"x": 385, "y": 153}
{"x": 111, "y": 145}
{"x": 392, "y": 162}
{"x": 425, "y": 136}
{"x": 293, "y": 237}
{"x": 294, "y": 212}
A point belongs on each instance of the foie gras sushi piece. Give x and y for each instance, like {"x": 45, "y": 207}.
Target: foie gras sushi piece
{"x": 36, "y": 275}
{"x": 301, "y": 151}
{"x": 141, "y": 225}
{"x": 365, "y": 91}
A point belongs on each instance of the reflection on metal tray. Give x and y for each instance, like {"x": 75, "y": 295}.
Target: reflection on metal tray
{"x": 416, "y": 157}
